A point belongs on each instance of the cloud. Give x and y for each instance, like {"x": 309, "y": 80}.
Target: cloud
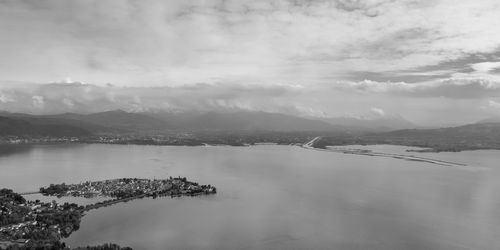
{"x": 5, "y": 98}
{"x": 368, "y": 8}
{"x": 423, "y": 59}
{"x": 449, "y": 88}
{"x": 485, "y": 67}
{"x": 494, "y": 104}
{"x": 86, "y": 98}
{"x": 180, "y": 42}
{"x": 377, "y": 111}
{"x": 407, "y": 76}
{"x": 454, "y": 101}
{"x": 68, "y": 102}
{"x": 38, "y": 101}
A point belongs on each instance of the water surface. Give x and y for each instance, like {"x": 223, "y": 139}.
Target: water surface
{"x": 276, "y": 197}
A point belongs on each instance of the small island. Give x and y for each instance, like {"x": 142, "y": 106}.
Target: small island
{"x": 28, "y": 224}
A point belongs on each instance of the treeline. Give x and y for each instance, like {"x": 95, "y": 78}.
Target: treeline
{"x": 9, "y": 195}
{"x": 53, "y": 222}
{"x": 68, "y": 220}
{"x": 11, "y": 213}
{"x": 54, "y": 189}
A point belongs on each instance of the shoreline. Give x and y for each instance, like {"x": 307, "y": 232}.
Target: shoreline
{"x": 309, "y": 145}
{"x": 423, "y": 150}
{"x": 35, "y": 224}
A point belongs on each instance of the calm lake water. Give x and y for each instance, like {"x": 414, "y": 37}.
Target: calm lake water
{"x": 277, "y": 197}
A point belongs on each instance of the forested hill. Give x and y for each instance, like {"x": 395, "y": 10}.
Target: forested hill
{"x": 19, "y": 127}
{"x": 466, "y": 137}
{"x": 125, "y": 122}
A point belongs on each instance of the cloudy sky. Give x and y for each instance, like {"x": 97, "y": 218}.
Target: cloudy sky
{"x": 431, "y": 61}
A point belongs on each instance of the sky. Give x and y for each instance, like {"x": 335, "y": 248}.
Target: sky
{"x": 434, "y": 62}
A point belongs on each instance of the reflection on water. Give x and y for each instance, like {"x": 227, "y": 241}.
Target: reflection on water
{"x": 278, "y": 197}
{"x": 8, "y": 150}
{"x": 13, "y": 149}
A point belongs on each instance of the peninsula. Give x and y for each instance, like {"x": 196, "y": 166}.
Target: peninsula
{"x": 125, "y": 188}
{"x": 26, "y": 224}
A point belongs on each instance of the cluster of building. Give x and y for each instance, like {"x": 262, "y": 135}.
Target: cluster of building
{"x": 176, "y": 139}
{"x": 35, "y": 140}
{"x": 170, "y": 138}
{"x": 129, "y": 187}
{"x": 44, "y": 224}
{"x": 204, "y": 138}
{"x": 17, "y": 231}
{"x": 24, "y": 221}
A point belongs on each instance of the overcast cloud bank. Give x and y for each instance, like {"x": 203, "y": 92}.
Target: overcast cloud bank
{"x": 431, "y": 61}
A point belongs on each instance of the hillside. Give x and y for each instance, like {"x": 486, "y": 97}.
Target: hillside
{"x": 118, "y": 120}
{"x": 242, "y": 121}
{"x": 19, "y": 127}
{"x": 467, "y": 137}
{"x": 381, "y": 124}
{"x": 60, "y": 119}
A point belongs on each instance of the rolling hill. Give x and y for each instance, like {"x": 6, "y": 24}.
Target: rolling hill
{"x": 20, "y": 127}
{"x": 242, "y": 121}
{"x": 381, "y": 124}
{"x": 117, "y": 120}
{"x": 466, "y": 137}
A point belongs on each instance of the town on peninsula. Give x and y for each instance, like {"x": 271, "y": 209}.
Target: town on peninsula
{"x": 28, "y": 224}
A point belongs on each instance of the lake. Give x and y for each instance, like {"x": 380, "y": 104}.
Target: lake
{"x": 276, "y": 197}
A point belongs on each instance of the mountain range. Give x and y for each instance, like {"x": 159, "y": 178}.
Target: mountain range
{"x": 21, "y": 127}
{"x": 470, "y": 136}
{"x": 121, "y": 121}
{"x": 390, "y": 130}
{"x": 377, "y": 124}
{"x": 241, "y": 121}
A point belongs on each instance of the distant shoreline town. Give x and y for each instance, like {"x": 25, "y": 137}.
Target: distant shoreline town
{"x": 238, "y": 129}
{"x": 427, "y": 143}
{"x": 26, "y": 224}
